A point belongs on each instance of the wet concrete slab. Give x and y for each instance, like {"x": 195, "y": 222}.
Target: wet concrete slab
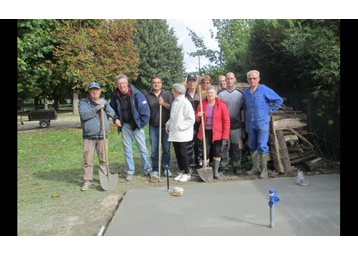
{"x": 237, "y": 208}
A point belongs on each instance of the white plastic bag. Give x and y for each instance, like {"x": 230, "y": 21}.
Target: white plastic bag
{"x": 301, "y": 179}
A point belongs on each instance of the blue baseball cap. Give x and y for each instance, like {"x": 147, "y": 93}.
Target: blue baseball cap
{"x": 94, "y": 85}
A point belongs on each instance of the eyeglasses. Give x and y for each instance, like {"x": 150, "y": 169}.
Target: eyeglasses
{"x": 253, "y": 78}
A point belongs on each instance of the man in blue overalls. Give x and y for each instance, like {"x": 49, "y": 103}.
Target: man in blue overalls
{"x": 259, "y": 103}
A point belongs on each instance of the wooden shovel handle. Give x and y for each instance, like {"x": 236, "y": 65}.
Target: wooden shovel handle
{"x": 104, "y": 138}
{"x": 202, "y": 125}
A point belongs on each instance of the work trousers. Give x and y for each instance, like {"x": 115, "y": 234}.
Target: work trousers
{"x": 182, "y": 156}
{"x": 194, "y": 147}
{"x": 234, "y": 139}
{"x": 90, "y": 146}
{"x": 258, "y": 138}
{"x": 213, "y": 149}
{"x": 154, "y": 143}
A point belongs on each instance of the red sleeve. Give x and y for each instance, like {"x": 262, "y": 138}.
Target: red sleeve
{"x": 226, "y": 121}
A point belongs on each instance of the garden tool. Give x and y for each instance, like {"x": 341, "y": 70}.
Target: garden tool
{"x": 206, "y": 172}
{"x": 109, "y": 181}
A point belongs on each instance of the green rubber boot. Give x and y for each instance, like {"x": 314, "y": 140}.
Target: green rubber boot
{"x": 255, "y": 160}
{"x": 264, "y": 173}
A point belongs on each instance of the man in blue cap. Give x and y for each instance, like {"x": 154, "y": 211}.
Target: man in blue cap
{"x": 93, "y": 135}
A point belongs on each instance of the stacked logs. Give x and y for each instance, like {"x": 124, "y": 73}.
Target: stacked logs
{"x": 288, "y": 144}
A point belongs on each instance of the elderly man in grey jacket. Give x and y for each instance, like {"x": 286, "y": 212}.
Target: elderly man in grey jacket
{"x": 90, "y": 114}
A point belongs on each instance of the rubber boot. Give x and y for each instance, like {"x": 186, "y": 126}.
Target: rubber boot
{"x": 216, "y": 162}
{"x": 255, "y": 160}
{"x": 264, "y": 173}
{"x": 236, "y": 166}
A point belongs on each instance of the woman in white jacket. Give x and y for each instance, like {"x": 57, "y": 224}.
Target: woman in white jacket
{"x": 180, "y": 129}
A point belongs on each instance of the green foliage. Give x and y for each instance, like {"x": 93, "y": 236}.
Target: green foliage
{"x": 292, "y": 56}
{"x": 95, "y": 50}
{"x": 34, "y": 46}
{"x": 232, "y": 37}
{"x": 159, "y": 53}
{"x": 303, "y": 55}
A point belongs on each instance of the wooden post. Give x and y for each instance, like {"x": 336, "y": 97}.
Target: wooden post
{"x": 276, "y": 148}
{"x": 285, "y": 158}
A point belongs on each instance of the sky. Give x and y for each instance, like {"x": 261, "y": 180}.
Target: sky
{"x": 202, "y": 28}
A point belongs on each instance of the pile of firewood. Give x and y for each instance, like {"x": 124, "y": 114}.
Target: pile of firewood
{"x": 288, "y": 144}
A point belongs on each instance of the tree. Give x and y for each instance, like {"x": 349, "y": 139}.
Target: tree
{"x": 34, "y": 46}
{"x": 94, "y": 50}
{"x": 159, "y": 53}
{"x": 232, "y": 37}
{"x": 303, "y": 56}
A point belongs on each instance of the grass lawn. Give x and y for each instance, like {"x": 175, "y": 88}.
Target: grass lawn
{"x": 50, "y": 169}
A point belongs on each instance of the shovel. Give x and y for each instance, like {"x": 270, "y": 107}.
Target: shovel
{"x": 205, "y": 173}
{"x": 160, "y": 143}
{"x": 109, "y": 181}
{"x": 160, "y": 147}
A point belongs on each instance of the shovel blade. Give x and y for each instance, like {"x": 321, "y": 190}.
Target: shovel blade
{"x": 206, "y": 174}
{"x": 108, "y": 182}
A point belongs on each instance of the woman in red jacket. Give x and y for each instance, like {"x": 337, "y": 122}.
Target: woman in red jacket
{"x": 217, "y": 126}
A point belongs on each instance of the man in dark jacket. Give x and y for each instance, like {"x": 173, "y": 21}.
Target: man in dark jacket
{"x": 194, "y": 146}
{"x": 90, "y": 114}
{"x": 132, "y": 114}
{"x": 158, "y": 96}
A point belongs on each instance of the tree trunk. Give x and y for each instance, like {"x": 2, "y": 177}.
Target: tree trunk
{"x": 56, "y": 103}
{"x": 75, "y": 102}
{"x": 46, "y": 104}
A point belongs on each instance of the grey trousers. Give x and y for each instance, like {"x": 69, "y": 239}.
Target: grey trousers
{"x": 234, "y": 139}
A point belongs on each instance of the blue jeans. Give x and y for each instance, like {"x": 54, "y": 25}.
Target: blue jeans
{"x": 154, "y": 143}
{"x": 258, "y": 138}
{"x": 127, "y": 140}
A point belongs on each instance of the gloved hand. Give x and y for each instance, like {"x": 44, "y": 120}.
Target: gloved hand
{"x": 101, "y": 103}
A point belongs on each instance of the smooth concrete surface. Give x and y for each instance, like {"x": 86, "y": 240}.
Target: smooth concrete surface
{"x": 237, "y": 208}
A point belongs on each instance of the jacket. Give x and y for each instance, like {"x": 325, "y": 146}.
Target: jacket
{"x": 154, "y": 107}
{"x": 182, "y": 119}
{"x": 91, "y": 120}
{"x": 259, "y": 105}
{"x": 194, "y": 102}
{"x": 139, "y": 106}
{"x": 221, "y": 125}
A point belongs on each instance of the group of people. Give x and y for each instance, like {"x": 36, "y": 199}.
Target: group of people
{"x": 224, "y": 110}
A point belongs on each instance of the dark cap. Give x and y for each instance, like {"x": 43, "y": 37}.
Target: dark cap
{"x": 94, "y": 85}
{"x": 191, "y": 76}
